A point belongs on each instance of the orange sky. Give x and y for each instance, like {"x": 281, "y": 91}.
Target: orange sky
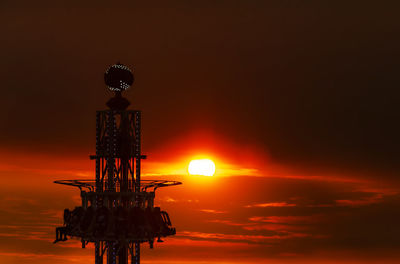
{"x": 295, "y": 101}
{"x": 242, "y": 218}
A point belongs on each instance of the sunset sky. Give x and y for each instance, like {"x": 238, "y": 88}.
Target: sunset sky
{"x": 295, "y": 101}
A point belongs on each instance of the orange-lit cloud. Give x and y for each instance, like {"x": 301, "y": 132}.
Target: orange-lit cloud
{"x": 276, "y": 204}
{"x": 361, "y": 202}
{"x": 212, "y": 211}
{"x": 228, "y": 222}
{"x": 308, "y": 219}
{"x": 240, "y": 238}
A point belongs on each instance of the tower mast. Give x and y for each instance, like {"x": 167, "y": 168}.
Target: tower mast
{"x": 117, "y": 212}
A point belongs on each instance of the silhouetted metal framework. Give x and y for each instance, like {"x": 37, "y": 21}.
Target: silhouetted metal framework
{"x": 117, "y": 211}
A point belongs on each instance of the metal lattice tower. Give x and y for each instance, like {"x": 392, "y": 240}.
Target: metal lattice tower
{"x": 117, "y": 212}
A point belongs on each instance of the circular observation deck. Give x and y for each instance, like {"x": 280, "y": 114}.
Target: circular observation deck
{"x": 90, "y": 185}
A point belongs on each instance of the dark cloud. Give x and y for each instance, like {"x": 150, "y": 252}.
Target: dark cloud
{"x": 313, "y": 83}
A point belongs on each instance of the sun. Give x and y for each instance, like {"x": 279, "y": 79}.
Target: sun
{"x": 205, "y": 167}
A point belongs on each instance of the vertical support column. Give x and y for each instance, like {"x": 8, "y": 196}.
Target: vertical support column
{"x": 123, "y": 255}
{"x": 98, "y": 256}
{"x": 125, "y": 154}
{"x": 137, "y": 185}
{"x": 111, "y": 258}
{"x": 137, "y": 252}
{"x": 98, "y": 135}
{"x": 111, "y": 153}
{"x": 131, "y": 251}
{"x": 137, "y": 149}
{"x": 111, "y": 149}
{"x": 97, "y": 252}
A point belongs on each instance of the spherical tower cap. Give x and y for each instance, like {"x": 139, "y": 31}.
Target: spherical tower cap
{"x": 118, "y": 77}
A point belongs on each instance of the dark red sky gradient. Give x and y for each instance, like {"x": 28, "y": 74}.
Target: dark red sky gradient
{"x": 297, "y": 100}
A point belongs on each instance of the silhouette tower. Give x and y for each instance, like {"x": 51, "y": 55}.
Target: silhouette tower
{"x": 117, "y": 212}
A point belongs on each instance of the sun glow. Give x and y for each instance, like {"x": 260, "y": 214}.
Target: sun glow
{"x": 203, "y": 167}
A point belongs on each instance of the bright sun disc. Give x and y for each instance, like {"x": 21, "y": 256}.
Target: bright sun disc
{"x": 203, "y": 167}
